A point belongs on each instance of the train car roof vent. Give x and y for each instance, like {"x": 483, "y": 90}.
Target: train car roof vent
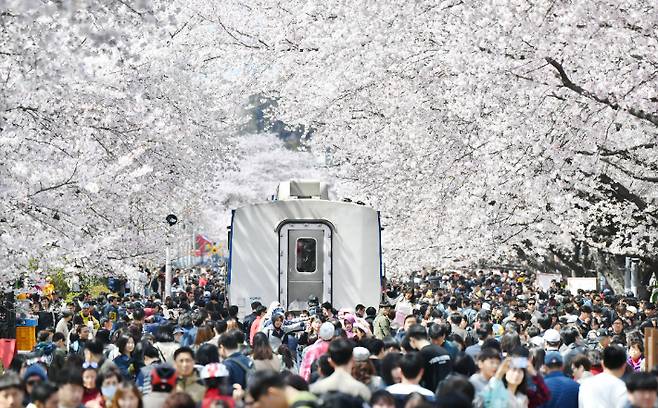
{"x": 302, "y": 190}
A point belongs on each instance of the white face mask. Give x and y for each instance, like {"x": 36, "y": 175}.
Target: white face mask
{"x": 109, "y": 391}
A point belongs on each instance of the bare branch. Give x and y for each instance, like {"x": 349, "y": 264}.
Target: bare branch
{"x": 567, "y": 83}
{"x": 649, "y": 179}
{"x": 129, "y": 7}
{"x": 68, "y": 182}
{"x": 606, "y": 152}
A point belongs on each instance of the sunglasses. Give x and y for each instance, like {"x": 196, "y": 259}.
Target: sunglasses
{"x": 33, "y": 382}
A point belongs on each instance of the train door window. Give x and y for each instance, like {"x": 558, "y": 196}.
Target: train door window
{"x": 306, "y": 255}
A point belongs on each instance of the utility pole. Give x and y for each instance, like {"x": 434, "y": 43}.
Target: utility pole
{"x": 167, "y": 289}
{"x": 171, "y": 220}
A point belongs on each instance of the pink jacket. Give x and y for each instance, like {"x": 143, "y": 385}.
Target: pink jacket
{"x": 312, "y": 353}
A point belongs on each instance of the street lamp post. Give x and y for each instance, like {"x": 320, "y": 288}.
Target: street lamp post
{"x": 167, "y": 289}
{"x": 171, "y": 220}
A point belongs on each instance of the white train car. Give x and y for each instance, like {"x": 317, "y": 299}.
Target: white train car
{"x": 303, "y": 244}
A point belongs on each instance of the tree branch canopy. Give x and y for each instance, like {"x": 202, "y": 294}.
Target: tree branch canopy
{"x": 567, "y": 83}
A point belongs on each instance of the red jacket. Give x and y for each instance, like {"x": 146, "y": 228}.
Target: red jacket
{"x": 212, "y": 395}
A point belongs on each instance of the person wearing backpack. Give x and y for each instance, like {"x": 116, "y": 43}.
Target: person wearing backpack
{"x": 152, "y": 359}
{"x": 240, "y": 367}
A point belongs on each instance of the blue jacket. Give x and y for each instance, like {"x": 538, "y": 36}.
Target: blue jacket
{"x": 236, "y": 364}
{"x": 189, "y": 337}
{"x": 123, "y": 363}
{"x": 564, "y": 391}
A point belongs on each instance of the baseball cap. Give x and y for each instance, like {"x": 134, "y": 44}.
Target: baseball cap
{"x": 327, "y": 331}
{"x": 631, "y": 309}
{"x": 179, "y": 330}
{"x": 552, "y": 336}
{"x": 361, "y": 354}
{"x": 214, "y": 370}
{"x": 553, "y": 358}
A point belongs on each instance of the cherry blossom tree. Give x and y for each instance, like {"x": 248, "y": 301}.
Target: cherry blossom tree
{"x": 482, "y": 130}
{"x": 105, "y": 130}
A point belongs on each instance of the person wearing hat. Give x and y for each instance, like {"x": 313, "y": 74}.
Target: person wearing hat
{"x": 564, "y": 390}
{"x": 215, "y": 377}
{"x": 11, "y": 392}
{"x": 33, "y": 375}
{"x": 88, "y": 318}
{"x": 552, "y": 340}
{"x": 382, "y": 323}
{"x": 320, "y": 347}
{"x": 163, "y": 382}
{"x": 278, "y": 333}
{"x": 179, "y": 333}
{"x": 364, "y": 369}
{"x": 631, "y": 313}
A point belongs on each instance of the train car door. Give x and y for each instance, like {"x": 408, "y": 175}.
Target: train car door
{"x": 304, "y": 264}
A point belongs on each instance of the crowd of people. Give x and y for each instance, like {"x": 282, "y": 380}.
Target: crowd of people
{"x": 460, "y": 339}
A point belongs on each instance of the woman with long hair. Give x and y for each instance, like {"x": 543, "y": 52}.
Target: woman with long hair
{"x": 127, "y": 396}
{"x": 508, "y": 388}
{"x": 264, "y": 358}
{"x": 288, "y": 362}
{"x": 204, "y": 333}
{"x": 361, "y": 332}
{"x": 89, "y": 377}
{"x": 124, "y": 361}
{"x": 363, "y": 370}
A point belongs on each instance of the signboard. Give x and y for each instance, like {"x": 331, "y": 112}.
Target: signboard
{"x": 544, "y": 280}
{"x": 581, "y": 283}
